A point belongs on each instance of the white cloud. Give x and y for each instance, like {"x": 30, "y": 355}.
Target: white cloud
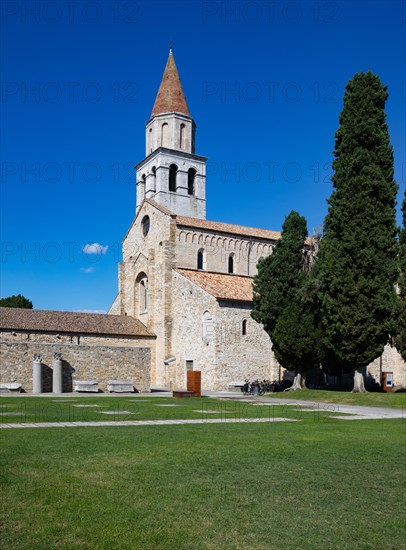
{"x": 95, "y": 248}
{"x": 87, "y": 269}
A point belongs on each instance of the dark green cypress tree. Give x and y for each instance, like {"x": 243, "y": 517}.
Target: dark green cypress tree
{"x": 400, "y": 330}
{"x": 358, "y": 253}
{"x": 281, "y": 300}
{"x": 296, "y": 335}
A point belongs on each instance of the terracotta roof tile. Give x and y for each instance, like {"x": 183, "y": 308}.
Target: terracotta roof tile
{"x": 221, "y": 227}
{"x": 218, "y": 227}
{"x": 71, "y": 322}
{"x": 221, "y": 285}
{"x": 244, "y": 231}
{"x": 170, "y": 97}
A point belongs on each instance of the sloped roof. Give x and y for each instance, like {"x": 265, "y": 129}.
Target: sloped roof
{"x": 221, "y": 285}
{"x": 71, "y": 322}
{"x": 170, "y": 97}
{"x": 228, "y": 228}
{"x": 220, "y": 227}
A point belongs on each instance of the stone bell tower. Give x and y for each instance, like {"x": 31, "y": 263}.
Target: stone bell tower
{"x": 172, "y": 174}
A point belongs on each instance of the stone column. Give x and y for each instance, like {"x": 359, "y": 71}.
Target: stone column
{"x": 37, "y": 374}
{"x": 57, "y": 373}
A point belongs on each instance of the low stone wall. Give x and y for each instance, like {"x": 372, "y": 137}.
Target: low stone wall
{"x": 80, "y": 362}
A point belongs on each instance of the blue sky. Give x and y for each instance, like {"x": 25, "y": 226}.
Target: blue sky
{"x": 264, "y": 82}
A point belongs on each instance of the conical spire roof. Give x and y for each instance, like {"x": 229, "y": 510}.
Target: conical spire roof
{"x": 170, "y": 97}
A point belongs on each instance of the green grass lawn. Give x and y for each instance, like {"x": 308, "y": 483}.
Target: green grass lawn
{"x": 370, "y": 399}
{"x": 91, "y": 409}
{"x": 327, "y": 484}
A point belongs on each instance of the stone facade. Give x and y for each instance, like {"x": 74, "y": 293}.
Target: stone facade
{"x": 153, "y": 176}
{"x": 154, "y": 257}
{"x": 242, "y": 356}
{"x": 93, "y": 359}
{"x": 92, "y": 346}
{"x": 219, "y": 338}
{"x": 217, "y": 247}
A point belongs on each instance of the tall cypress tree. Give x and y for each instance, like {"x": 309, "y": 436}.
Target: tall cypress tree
{"x": 281, "y": 300}
{"x": 296, "y": 335}
{"x": 400, "y": 331}
{"x": 357, "y": 260}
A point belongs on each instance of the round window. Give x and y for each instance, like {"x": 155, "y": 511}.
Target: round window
{"x": 145, "y": 225}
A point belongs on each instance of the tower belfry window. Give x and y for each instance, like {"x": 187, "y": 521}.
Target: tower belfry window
{"x": 153, "y": 179}
{"x": 173, "y": 170}
{"x": 191, "y": 174}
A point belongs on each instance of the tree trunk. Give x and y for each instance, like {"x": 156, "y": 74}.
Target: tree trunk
{"x": 299, "y": 382}
{"x": 359, "y": 386}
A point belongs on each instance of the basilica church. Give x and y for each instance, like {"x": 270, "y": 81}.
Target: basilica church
{"x": 184, "y": 287}
{"x": 187, "y": 279}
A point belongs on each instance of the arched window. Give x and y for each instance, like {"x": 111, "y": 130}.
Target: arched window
{"x": 244, "y": 327}
{"x": 141, "y": 295}
{"x": 145, "y": 224}
{"x": 144, "y": 298}
{"x": 231, "y": 263}
{"x": 200, "y": 259}
{"x": 191, "y": 174}
{"x": 173, "y": 169}
{"x": 182, "y": 136}
{"x": 164, "y": 132}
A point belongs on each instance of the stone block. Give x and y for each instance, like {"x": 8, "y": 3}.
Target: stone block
{"x": 120, "y": 386}
{"x": 9, "y": 387}
{"x": 86, "y": 386}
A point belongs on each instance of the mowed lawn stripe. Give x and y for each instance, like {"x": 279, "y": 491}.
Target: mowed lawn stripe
{"x": 308, "y": 485}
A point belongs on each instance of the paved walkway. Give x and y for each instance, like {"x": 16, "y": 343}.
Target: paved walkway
{"x": 351, "y": 412}
{"x": 146, "y": 422}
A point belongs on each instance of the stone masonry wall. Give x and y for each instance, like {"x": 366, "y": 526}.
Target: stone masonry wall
{"x": 152, "y": 255}
{"x": 215, "y": 342}
{"x": 242, "y": 356}
{"x": 80, "y": 362}
{"x": 189, "y": 342}
{"x": 217, "y": 248}
{"x": 26, "y": 337}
